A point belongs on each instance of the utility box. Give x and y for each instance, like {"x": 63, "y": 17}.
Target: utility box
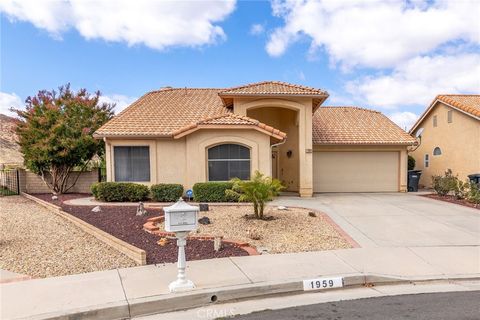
{"x": 181, "y": 217}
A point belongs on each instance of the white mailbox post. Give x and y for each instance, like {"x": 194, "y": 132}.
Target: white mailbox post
{"x": 181, "y": 218}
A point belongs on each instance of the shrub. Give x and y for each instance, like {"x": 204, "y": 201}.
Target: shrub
{"x": 460, "y": 189}
{"x": 258, "y": 190}
{"x": 165, "y": 192}
{"x": 213, "y": 192}
{"x": 473, "y": 194}
{"x": 94, "y": 190}
{"x": 443, "y": 185}
{"x": 411, "y": 163}
{"x": 120, "y": 191}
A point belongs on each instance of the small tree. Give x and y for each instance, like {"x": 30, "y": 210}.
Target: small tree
{"x": 258, "y": 190}
{"x": 56, "y": 134}
{"x": 411, "y": 163}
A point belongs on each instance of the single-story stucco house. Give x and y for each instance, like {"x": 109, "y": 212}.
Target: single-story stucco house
{"x": 189, "y": 135}
{"x": 449, "y": 131}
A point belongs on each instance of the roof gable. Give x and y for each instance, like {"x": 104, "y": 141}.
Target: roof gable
{"x": 229, "y": 121}
{"x": 273, "y": 88}
{"x": 354, "y": 125}
{"x": 469, "y": 104}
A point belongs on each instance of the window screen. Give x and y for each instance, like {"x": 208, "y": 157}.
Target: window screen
{"x": 227, "y": 161}
{"x": 132, "y": 163}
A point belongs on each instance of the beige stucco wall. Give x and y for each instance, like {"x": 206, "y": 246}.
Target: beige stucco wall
{"x": 401, "y": 150}
{"x": 185, "y": 160}
{"x": 303, "y": 107}
{"x": 459, "y": 142}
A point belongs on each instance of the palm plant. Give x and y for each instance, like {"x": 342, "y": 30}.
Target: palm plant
{"x": 258, "y": 190}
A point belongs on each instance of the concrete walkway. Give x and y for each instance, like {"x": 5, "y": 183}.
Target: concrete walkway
{"x": 144, "y": 290}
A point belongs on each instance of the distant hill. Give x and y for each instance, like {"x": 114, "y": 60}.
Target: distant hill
{"x": 9, "y": 149}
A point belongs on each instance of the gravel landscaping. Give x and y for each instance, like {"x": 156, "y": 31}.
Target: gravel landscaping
{"x": 38, "y": 243}
{"x": 121, "y": 222}
{"x": 292, "y": 230}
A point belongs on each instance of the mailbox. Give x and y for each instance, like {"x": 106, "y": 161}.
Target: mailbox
{"x": 181, "y": 217}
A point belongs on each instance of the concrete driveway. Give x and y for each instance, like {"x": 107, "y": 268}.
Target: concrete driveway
{"x": 396, "y": 219}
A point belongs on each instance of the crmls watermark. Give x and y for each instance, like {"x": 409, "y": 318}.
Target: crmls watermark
{"x": 211, "y": 313}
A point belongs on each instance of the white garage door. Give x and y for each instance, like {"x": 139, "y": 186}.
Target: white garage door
{"x": 355, "y": 171}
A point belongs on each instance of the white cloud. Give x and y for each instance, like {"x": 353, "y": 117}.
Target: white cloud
{"x": 376, "y": 34}
{"x": 257, "y": 29}
{"x": 120, "y": 100}
{"x": 156, "y": 24}
{"x": 9, "y": 100}
{"x": 404, "y": 120}
{"x": 419, "y": 80}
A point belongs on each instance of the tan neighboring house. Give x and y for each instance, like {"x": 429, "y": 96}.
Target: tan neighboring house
{"x": 189, "y": 135}
{"x": 450, "y": 137}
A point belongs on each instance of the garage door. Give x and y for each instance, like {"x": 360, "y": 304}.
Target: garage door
{"x": 355, "y": 171}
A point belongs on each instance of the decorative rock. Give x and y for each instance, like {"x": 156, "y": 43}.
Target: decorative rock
{"x": 97, "y": 209}
{"x": 282, "y": 208}
{"x": 204, "y": 220}
{"x": 217, "y": 243}
{"x": 263, "y": 250}
{"x": 162, "y": 242}
{"x": 141, "y": 209}
{"x": 312, "y": 214}
{"x": 203, "y": 206}
{"x": 54, "y": 197}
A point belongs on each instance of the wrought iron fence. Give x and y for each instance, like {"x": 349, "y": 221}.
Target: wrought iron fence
{"x": 9, "y": 182}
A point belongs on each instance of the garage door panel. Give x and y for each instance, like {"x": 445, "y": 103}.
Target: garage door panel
{"x": 355, "y": 171}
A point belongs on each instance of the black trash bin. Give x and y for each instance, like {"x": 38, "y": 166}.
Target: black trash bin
{"x": 475, "y": 178}
{"x": 413, "y": 178}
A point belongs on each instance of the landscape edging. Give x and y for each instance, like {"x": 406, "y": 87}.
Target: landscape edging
{"x": 134, "y": 253}
{"x": 150, "y": 227}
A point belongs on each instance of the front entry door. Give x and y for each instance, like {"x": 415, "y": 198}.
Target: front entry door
{"x": 275, "y": 164}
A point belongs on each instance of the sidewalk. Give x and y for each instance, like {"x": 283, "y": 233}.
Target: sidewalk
{"x": 143, "y": 290}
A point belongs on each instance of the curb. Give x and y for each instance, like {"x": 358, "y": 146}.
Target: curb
{"x": 159, "y": 304}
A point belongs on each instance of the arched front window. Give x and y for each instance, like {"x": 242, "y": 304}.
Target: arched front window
{"x": 437, "y": 151}
{"x": 227, "y": 161}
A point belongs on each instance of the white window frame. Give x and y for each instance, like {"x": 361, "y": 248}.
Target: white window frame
{"x": 228, "y": 160}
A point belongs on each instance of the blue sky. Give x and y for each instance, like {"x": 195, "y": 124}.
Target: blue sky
{"x": 352, "y": 49}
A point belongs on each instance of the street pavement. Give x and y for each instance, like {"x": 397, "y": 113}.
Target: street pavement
{"x": 431, "y": 306}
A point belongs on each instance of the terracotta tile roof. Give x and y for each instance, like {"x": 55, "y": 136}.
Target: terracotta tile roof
{"x": 353, "y": 125}
{"x": 273, "y": 88}
{"x": 233, "y": 120}
{"x": 468, "y": 103}
{"x": 161, "y": 112}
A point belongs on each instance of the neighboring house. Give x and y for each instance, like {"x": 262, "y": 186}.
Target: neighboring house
{"x": 450, "y": 137}
{"x": 184, "y": 135}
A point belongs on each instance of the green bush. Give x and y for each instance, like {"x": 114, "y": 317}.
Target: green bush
{"x": 445, "y": 184}
{"x": 94, "y": 190}
{"x": 120, "y": 191}
{"x": 213, "y": 192}
{"x": 473, "y": 194}
{"x": 411, "y": 163}
{"x": 166, "y": 192}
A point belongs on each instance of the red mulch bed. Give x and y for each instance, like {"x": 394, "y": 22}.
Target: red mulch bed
{"x": 451, "y": 199}
{"x": 121, "y": 222}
